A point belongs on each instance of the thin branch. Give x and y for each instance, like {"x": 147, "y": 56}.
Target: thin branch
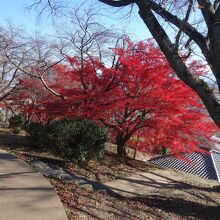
{"x": 185, "y": 26}
{"x": 49, "y": 89}
{"x": 51, "y": 66}
{"x": 185, "y": 20}
{"x": 38, "y": 77}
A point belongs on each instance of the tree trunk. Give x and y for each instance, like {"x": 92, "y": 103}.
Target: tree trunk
{"x": 214, "y": 40}
{"x": 135, "y": 153}
{"x": 120, "y": 142}
{"x": 199, "y": 86}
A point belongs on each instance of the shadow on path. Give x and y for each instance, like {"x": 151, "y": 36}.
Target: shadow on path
{"x": 181, "y": 207}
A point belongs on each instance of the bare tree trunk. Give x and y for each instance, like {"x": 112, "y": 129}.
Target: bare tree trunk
{"x": 135, "y": 153}
{"x": 120, "y": 142}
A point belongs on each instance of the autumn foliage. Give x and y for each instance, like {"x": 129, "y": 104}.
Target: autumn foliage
{"x": 138, "y": 97}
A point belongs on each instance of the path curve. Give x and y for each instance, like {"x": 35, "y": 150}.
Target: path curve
{"x": 25, "y": 194}
{"x": 146, "y": 182}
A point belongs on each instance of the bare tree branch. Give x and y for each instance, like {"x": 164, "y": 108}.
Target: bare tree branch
{"x": 118, "y": 3}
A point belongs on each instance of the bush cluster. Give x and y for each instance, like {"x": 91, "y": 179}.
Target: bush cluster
{"x": 17, "y": 123}
{"x": 75, "y": 140}
{"x": 36, "y": 131}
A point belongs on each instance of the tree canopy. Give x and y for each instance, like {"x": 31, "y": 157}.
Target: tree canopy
{"x": 178, "y": 15}
{"x": 139, "y": 95}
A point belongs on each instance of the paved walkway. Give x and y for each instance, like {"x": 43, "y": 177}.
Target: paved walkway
{"x": 147, "y": 182}
{"x": 25, "y": 194}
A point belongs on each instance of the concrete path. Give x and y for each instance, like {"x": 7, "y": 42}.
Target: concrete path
{"x": 25, "y": 194}
{"x": 147, "y": 182}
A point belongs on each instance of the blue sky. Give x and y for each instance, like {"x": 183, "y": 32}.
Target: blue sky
{"x": 14, "y": 10}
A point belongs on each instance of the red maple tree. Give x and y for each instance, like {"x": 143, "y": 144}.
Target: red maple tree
{"x": 31, "y": 98}
{"x": 139, "y": 98}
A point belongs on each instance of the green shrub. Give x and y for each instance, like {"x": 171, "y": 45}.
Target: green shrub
{"x": 16, "y": 130}
{"x": 36, "y": 133}
{"x": 17, "y": 123}
{"x": 77, "y": 140}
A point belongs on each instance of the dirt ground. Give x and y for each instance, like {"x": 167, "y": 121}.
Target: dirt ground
{"x": 191, "y": 198}
{"x": 185, "y": 202}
